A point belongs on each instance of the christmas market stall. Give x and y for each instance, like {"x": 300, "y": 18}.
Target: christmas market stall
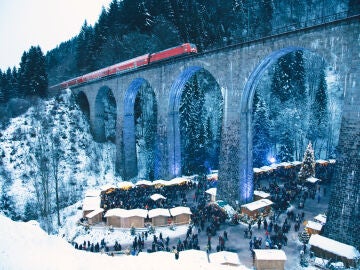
{"x": 159, "y": 216}
{"x": 327, "y": 248}
{"x": 258, "y": 195}
{"x": 225, "y": 258}
{"x": 212, "y": 193}
{"x": 95, "y": 216}
{"x": 269, "y": 259}
{"x": 313, "y": 227}
{"x": 90, "y": 204}
{"x": 180, "y": 215}
{"x": 257, "y": 208}
{"x": 123, "y": 218}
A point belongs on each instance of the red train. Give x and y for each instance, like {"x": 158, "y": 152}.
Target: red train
{"x": 146, "y": 59}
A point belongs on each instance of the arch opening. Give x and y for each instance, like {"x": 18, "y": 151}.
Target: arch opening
{"x": 196, "y": 111}
{"x": 106, "y": 115}
{"x": 83, "y": 104}
{"x": 140, "y": 126}
{"x": 291, "y": 99}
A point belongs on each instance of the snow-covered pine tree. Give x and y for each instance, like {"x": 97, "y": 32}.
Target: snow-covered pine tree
{"x": 308, "y": 165}
{"x": 261, "y": 132}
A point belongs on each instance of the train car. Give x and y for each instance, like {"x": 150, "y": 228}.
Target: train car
{"x": 143, "y": 60}
{"x": 186, "y": 48}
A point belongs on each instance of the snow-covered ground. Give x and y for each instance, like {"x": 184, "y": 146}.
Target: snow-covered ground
{"x": 24, "y": 245}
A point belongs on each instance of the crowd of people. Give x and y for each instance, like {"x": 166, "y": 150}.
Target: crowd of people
{"x": 139, "y": 197}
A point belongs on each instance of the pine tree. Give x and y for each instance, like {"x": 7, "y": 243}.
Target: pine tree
{"x": 308, "y": 164}
{"x": 286, "y": 153}
{"x": 261, "y": 132}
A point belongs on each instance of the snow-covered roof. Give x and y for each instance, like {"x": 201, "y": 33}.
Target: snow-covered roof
{"x": 224, "y": 257}
{"x": 107, "y": 186}
{"x": 321, "y": 161}
{"x": 334, "y": 247}
{"x": 94, "y": 213}
{"x": 285, "y": 164}
{"x": 314, "y": 225}
{"x": 212, "y": 176}
{"x": 159, "y": 212}
{"x": 119, "y": 212}
{"x": 320, "y": 218}
{"x": 177, "y": 181}
{"x": 266, "y": 168}
{"x": 332, "y": 161}
{"x": 144, "y": 182}
{"x": 91, "y": 203}
{"x": 157, "y": 196}
{"x": 261, "y": 194}
{"x": 296, "y": 162}
{"x": 257, "y": 170}
{"x": 312, "y": 179}
{"x": 186, "y": 256}
{"x": 125, "y": 184}
{"x": 93, "y": 193}
{"x": 257, "y": 204}
{"x": 270, "y": 254}
{"x": 160, "y": 182}
{"x": 180, "y": 210}
{"x": 211, "y": 191}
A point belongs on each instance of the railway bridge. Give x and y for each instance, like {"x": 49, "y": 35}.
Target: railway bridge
{"x": 237, "y": 70}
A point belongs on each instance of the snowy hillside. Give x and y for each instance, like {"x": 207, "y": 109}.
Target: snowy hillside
{"x": 29, "y": 139}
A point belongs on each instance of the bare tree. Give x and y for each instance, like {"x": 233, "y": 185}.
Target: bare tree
{"x": 55, "y": 158}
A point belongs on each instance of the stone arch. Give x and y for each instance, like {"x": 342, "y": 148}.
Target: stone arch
{"x": 246, "y": 185}
{"x": 83, "y": 102}
{"x": 105, "y": 115}
{"x": 174, "y": 136}
{"x": 129, "y": 126}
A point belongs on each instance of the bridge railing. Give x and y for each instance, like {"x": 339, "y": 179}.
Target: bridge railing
{"x": 298, "y": 26}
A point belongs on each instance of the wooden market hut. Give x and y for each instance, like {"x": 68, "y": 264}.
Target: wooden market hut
{"x": 327, "y": 248}
{"x": 313, "y": 227}
{"x": 95, "y": 216}
{"x": 270, "y": 259}
{"x": 225, "y": 258}
{"x": 256, "y": 208}
{"x": 258, "y": 195}
{"x": 212, "y": 193}
{"x": 180, "y": 215}
{"x": 159, "y": 216}
{"x": 90, "y": 204}
{"x": 123, "y": 218}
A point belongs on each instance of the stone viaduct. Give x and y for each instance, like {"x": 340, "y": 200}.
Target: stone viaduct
{"x": 237, "y": 70}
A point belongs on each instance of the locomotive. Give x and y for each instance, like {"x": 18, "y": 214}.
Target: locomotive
{"x": 146, "y": 59}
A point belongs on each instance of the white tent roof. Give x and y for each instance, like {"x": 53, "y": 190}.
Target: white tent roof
{"x": 320, "y": 218}
{"x": 91, "y": 203}
{"x": 314, "y": 225}
{"x": 257, "y": 204}
{"x": 160, "y": 182}
{"x": 119, "y": 212}
{"x": 107, "y": 186}
{"x": 94, "y": 213}
{"x": 144, "y": 182}
{"x": 261, "y": 194}
{"x": 223, "y": 257}
{"x": 334, "y": 247}
{"x": 125, "y": 184}
{"x": 159, "y": 212}
{"x": 296, "y": 162}
{"x": 312, "y": 180}
{"x": 285, "y": 164}
{"x": 180, "y": 210}
{"x": 270, "y": 254}
{"x": 157, "y": 196}
{"x": 211, "y": 191}
{"x": 177, "y": 181}
{"x": 257, "y": 170}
